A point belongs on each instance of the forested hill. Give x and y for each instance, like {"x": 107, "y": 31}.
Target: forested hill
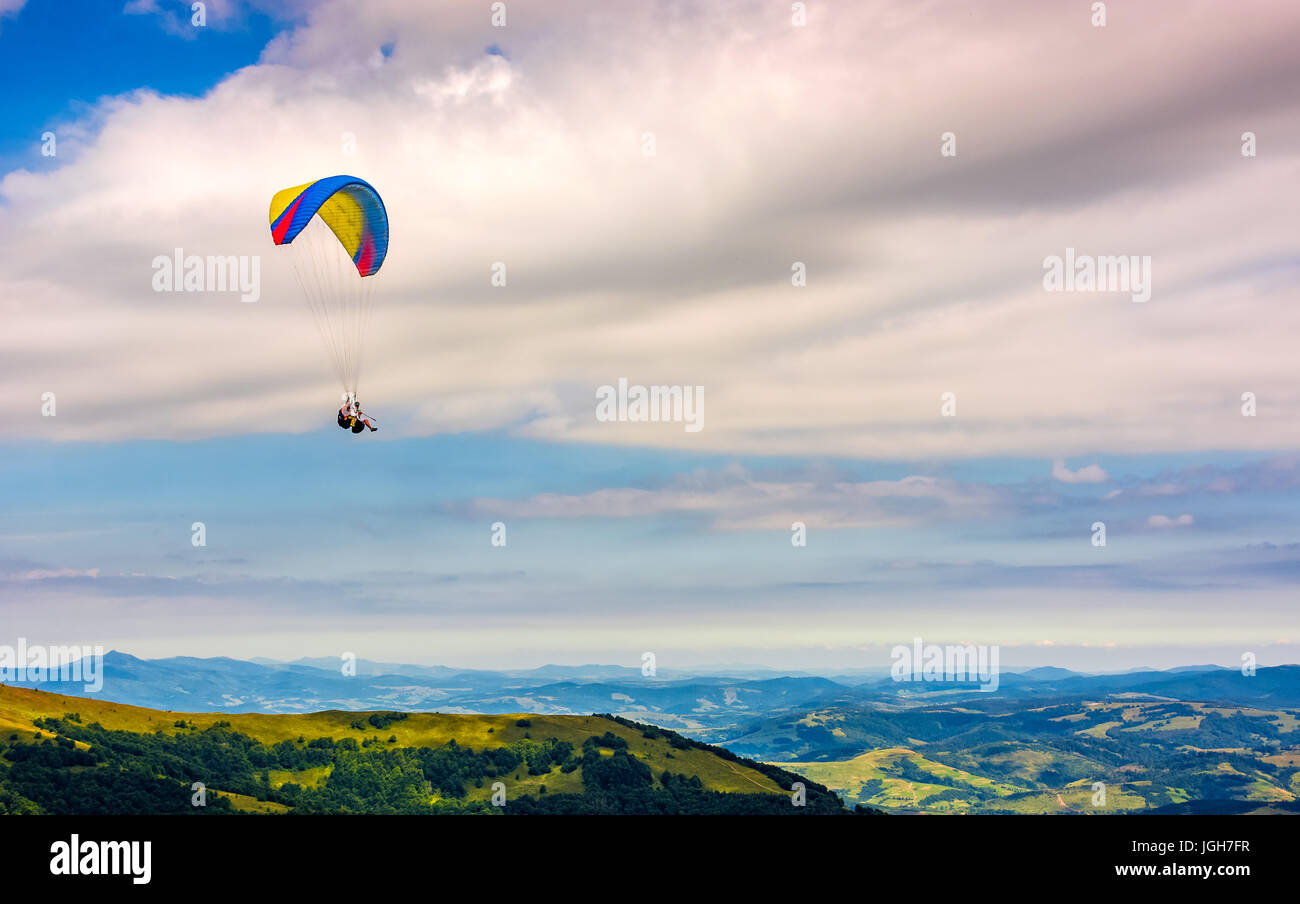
{"x": 73, "y": 755}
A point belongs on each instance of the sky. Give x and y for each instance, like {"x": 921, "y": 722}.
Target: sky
{"x": 654, "y": 181}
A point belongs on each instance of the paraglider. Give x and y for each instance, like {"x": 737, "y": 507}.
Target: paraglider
{"x": 351, "y": 417}
{"x": 337, "y": 230}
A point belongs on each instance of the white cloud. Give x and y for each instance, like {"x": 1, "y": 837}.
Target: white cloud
{"x": 177, "y": 19}
{"x": 733, "y": 499}
{"x": 45, "y": 574}
{"x": 774, "y": 145}
{"x": 1088, "y": 474}
{"x": 1166, "y": 521}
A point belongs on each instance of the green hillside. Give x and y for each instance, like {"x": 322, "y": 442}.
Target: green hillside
{"x": 902, "y": 779}
{"x": 997, "y": 758}
{"x": 61, "y": 754}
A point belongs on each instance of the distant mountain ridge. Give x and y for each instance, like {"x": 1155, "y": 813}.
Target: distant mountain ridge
{"x": 697, "y": 704}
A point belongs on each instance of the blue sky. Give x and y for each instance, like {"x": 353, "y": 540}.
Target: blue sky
{"x": 823, "y": 407}
{"x": 66, "y": 56}
{"x": 307, "y": 529}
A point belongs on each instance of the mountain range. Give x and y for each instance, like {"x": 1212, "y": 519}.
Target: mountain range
{"x": 705, "y": 705}
{"x": 1190, "y": 738}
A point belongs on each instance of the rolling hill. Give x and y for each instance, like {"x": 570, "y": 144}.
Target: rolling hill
{"x": 1150, "y": 755}
{"x": 62, "y": 754}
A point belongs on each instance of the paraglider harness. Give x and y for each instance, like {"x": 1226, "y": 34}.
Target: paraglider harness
{"x": 350, "y": 415}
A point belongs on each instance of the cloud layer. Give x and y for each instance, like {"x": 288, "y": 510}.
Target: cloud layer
{"x": 773, "y": 145}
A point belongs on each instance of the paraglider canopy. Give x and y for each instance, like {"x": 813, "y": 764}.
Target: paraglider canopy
{"x": 350, "y": 207}
{"x": 337, "y": 229}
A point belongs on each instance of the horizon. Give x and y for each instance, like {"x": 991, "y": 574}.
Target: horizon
{"x": 720, "y": 668}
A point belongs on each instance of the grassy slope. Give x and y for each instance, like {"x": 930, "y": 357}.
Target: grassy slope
{"x": 847, "y": 776}
{"x": 899, "y": 793}
{"x": 20, "y": 707}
